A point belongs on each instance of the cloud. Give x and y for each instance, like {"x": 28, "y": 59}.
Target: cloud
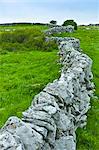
{"x": 83, "y": 11}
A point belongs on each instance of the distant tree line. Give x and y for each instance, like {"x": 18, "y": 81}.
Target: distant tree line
{"x": 52, "y": 22}
{"x": 93, "y": 24}
{"x": 22, "y": 23}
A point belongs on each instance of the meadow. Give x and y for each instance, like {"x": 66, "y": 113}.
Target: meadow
{"x": 27, "y": 64}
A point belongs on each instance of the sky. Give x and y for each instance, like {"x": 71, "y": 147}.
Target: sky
{"x": 43, "y": 11}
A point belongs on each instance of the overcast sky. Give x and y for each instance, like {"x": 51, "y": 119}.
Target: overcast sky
{"x": 82, "y": 11}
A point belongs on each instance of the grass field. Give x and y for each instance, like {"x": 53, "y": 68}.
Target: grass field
{"x": 24, "y": 70}
{"x": 21, "y": 27}
{"x": 24, "y": 73}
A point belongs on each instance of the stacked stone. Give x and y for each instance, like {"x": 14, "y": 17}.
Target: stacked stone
{"x": 75, "y": 42}
{"x": 56, "y": 112}
{"x": 59, "y": 29}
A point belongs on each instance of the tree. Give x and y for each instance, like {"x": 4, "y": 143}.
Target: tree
{"x": 70, "y": 22}
{"x": 53, "y": 22}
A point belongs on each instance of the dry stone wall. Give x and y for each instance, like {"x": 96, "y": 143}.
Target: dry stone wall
{"x": 56, "y": 112}
{"x": 59, "y": 29}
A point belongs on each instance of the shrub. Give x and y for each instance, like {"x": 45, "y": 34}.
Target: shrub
{"x": 70, "y": 22}
{"x": 12, "y": 47}
{"x": 53, "y": 22}
{"x": 19, "y": 36}
{"x": 27, "y": 40}
{"x": 50, "y": 45}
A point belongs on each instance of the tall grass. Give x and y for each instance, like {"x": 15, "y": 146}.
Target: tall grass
{"x": 25, "y": 40}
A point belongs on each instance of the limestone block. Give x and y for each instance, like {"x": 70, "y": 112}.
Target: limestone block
{"x": 65, "y": 143}
{"x": 29, "y": 137}
{"x": 60, "y": 29}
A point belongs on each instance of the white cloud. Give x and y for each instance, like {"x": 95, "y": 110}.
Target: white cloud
{"x": 37, "y": 11}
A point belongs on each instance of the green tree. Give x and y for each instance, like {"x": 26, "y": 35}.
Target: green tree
{"x": 70, "y": 22}
{"x": 53, "y": 22}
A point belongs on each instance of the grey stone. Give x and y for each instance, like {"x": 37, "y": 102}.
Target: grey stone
{"x": 8, "y": 141}
{"x": 16, "y": 127}
{"x": 60, "y": 29}
{"x": 65, "y": 143}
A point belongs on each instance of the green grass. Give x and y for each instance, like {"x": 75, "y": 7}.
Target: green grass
{"x": 25, "y": 39}
{"x": 23, "y": 75}
{"x": 22, "y": 27}
{"x": 26, "y": 67}
{"x": 88, "y": 138}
